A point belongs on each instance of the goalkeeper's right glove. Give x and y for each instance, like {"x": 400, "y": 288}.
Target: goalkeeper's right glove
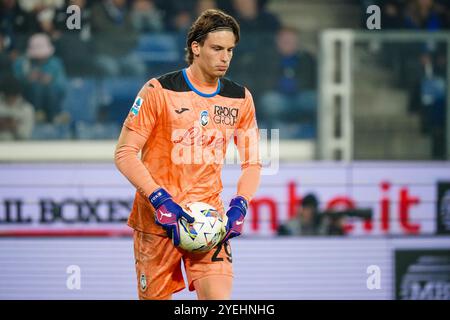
{"x": 167, "y": 214}
{"x": 235, "y": 218}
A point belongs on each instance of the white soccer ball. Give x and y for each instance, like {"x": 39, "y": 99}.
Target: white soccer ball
{"x": 205, "y": 232}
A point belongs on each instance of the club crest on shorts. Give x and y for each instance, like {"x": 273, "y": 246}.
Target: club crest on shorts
{"x": 136, "y": 105}
{"x": 143, "y": 282}
{"x": 204, "y": 118}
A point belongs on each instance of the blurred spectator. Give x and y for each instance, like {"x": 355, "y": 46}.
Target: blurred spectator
{"x": 258, "y": 27}
{"x": 44, "y": 78}
{"x": 307, "y": 220}
{"x": 5, "y": 59}
{"x": 182, "y": 21}
{"x": 114, "y": 39}
{"x": 229, "y": 7}
{"x": 43, "y": 12}
{"x": 432, "y": 104}
{"x": 45, "y": 18}
{"x": 411, "y": 14}
{"x": 39, "y": 5}
{"x": 203, "y": 5}
{"x": 74, "y": 45}
{"x": 46, "y": 11}
{"x": 253, "y": 18}
{"x": 334, "y": 223}
{"x": 146, "y": 16}
{"x": 179, "y": 25}
{"x": 16, "y": 24}
{"x": 291, "y": 94}
{"x": 226, "y": 6}
{"x": 16, "y": 114}
{"x": 176, "y": 13}
{"x": 409, "y": 60}
{"x": 392, "y": 13}
{"x": 334, "y": 220}
{"x": 424, "y": 64}
{"x": 423, "y": 14}
{"x": 15, "y": 19}
{"x": 443, "y": 6}
{"x": 310, "y": 221}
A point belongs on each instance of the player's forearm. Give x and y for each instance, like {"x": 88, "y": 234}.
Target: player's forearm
{"x": 249, "y": 181}
{"x": 128, "y": 163}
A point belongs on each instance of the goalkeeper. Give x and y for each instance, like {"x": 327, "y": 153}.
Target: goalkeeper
{"x": 174, "y": 117}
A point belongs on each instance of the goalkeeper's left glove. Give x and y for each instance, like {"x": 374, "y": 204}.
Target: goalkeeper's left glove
{"x": 236, "y": 214}
{"x": 167, "y": 214}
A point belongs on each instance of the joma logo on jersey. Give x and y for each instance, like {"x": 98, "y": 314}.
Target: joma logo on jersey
{"x": 225, "y": 115}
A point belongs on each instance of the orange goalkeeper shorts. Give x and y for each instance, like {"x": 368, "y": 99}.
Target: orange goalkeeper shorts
{"x": 158, "y": 265}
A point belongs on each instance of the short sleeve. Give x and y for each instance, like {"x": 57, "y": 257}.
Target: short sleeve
{"x": 145, "y": 109}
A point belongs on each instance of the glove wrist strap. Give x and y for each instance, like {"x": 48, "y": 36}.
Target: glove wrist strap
{"x": 158, "y": 197}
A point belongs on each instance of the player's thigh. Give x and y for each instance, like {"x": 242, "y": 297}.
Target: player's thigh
{"x": 201, "y": 270}
{"x": 158, "y": 266}
{"x": 214, "y": 287}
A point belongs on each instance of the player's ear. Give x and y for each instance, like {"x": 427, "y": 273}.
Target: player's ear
{"x": 195, "y": 46}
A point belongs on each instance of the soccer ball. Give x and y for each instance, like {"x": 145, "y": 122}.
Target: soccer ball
{"x": 205, "y": 232}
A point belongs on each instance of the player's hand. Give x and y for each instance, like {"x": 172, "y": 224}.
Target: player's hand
{"x": 167, "y": 214}
{"x": 235, "y": 214}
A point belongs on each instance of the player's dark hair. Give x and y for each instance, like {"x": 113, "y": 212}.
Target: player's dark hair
{"x": 209, "y": 20}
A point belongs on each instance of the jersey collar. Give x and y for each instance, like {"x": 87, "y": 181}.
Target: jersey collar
{"x": 191, "y": 86}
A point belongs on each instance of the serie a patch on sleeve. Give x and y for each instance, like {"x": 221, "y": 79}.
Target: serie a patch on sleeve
{"x": 136, "y": 106}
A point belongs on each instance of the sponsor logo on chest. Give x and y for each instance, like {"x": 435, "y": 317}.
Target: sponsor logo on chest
{"x": 225, "y": 115}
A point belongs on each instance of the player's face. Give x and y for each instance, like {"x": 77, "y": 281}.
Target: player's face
{"x": 216, "y": 53}
{"x": 307, "y": 215}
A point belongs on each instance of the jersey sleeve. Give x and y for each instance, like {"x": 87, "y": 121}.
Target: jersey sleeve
{"x": 145, "y": 109}
{"x": 247, "y": 134}
{"x": 247, "y": 142}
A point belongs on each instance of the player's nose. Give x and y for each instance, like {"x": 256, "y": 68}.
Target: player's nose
{"x": 225, "y": 57}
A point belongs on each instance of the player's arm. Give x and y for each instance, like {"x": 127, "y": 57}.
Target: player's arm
{"x": 127, "y": 161}
{"x": 247, "y": 142}
{"x": 135, "y": 133}
{"x": 136, "y": 130}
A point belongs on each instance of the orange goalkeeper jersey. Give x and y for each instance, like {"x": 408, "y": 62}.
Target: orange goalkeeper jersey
{"x": 187, "y": 132}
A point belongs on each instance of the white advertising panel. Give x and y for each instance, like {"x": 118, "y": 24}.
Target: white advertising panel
{"x": 95, "y": 199}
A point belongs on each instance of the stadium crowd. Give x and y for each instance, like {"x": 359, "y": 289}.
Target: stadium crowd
{"x": 420, "y": 68}
{"x": 79, "y": 83}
